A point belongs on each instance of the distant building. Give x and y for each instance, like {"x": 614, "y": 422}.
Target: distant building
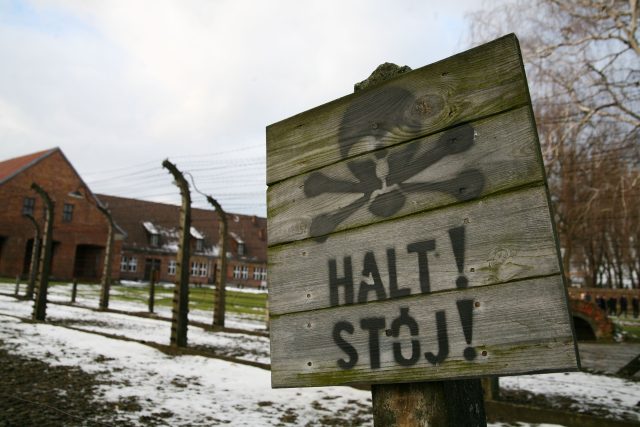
{"x": 146, "y": 236}
{"x": 152, "y": 243}
{"x": 79, "y": 228}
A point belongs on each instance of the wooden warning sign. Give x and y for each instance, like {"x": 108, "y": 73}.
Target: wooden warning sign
{"x": 410, "y": 235}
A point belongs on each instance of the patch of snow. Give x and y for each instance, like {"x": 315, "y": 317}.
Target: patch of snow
{"x": 619, "y": 396}
{"x": 211, "y": 251}
{"x": 245, "y": 347}
{"x": 131, "y": 283}
{"x": 148, "y": 225}
{"x": 195, "y": 390}
{"x": 225, "y": 389}
{"x": 170, "y": 247}
{"x": 195, "y": 233}
{"x": 236, "y": 237}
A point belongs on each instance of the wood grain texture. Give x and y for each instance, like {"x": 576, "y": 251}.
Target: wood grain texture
{"x": 507, "y": 237}
{"x": 434, "y": 404}
{"x": 477, "y": 83}
{"x": 410, "y": 235}
{"x": 502, "y": 155}
{"x": 518, "y": 328}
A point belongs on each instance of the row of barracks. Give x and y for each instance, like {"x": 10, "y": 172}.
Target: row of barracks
{"x": 146, "y": 233}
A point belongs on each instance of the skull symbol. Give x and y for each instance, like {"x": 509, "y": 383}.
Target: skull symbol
{"x": 381, "y": 178}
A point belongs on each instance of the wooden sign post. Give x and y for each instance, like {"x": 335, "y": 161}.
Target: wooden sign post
{"x": 410, "y": 233}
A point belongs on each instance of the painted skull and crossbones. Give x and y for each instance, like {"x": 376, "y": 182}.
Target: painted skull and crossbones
{"x": 382, "y": 177}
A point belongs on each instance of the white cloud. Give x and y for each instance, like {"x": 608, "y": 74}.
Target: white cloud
{"x": 120, "y": 82}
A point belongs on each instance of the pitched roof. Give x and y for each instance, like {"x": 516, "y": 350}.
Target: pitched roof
{"x": 136, "y": 217}
{"x": 11, "y": 167}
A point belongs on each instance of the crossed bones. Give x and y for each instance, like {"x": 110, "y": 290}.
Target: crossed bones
{"x": 387, "y": 194}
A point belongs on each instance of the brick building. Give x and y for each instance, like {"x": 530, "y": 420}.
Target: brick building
{"x": 146, "y": 232}
{"x": 151, "y": 243}
{"x": 79, "y": 228}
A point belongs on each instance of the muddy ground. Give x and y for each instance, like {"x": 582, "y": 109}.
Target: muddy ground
{"x": 36, "y": 394}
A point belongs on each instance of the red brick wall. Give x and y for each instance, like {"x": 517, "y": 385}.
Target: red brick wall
{"x": 165, "y": 276}
{"x": 87, "y": 227}
{"x": 250, "y": 282}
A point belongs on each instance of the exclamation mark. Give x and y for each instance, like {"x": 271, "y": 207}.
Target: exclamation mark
{"x": 465, "y": 308}
{"x": 456, "y": 235}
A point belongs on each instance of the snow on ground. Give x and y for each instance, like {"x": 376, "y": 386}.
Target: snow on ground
{"x": 247, "y": 347}
{"x": 232, "y": 391}
{"x": 88, "y": 295}
{"x": 196, "y": 390}
{"x": 621, "y": 397}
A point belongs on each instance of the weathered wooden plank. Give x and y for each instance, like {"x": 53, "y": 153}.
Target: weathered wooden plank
{"x": 410, "y": 232}
{"x": 500, "y": 238}
{"x": 466, "y": 162}
{"x": 513, "y": 328}
{"x": 479, "y": 82}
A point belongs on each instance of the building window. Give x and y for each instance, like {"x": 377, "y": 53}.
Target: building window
{"x": 172, "y": 267}
{"x": 129, "y": 263}
{"x": 260, "y": 273}
{"x": 67, "y": 212}
{"x": 245, "y": 272}
{"x": 237, "y": 272}
{"x": 155, "y": 240}
{"x": 199, "y": 245}
{"x": 240, "y": 249}
{"x": 199, "y": 269}
{"x": 28, "y": 204}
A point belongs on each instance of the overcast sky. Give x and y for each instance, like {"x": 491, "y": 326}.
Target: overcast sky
{"x": 121, "y": 85}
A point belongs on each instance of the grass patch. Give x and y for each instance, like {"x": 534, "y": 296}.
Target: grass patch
{"x": 200, "y": 297}
{"x": 629, "y": 326}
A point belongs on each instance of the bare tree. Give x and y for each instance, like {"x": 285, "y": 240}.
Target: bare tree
{"x": 582, "y": 56}
{"x": 583, "y": 64}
